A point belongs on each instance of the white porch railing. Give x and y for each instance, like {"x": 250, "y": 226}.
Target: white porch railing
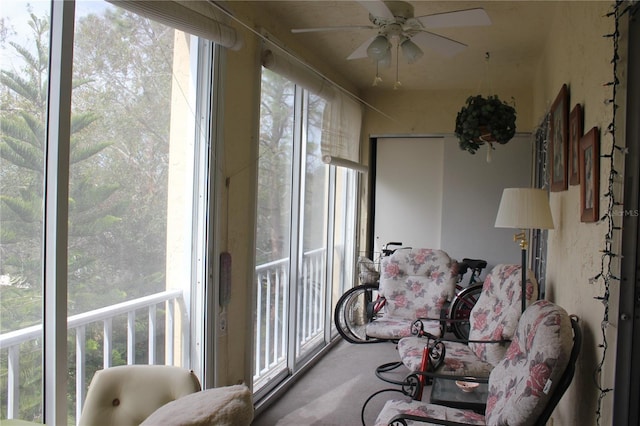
{"x": 270, "y": 326}
{"x": 272, "y": 312}
{"x": 12, "y": 341}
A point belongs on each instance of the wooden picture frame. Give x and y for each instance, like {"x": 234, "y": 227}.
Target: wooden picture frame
{"x": 590, "y": 176}
{"x": 558, "y": 135}
{"x": 575, "y": 135}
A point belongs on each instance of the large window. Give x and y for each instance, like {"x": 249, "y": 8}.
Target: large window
{"x": 305, "y": 235}
{"x": 138, "y": 158}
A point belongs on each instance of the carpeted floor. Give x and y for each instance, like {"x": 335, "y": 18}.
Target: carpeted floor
{"x": 333, "y": 392}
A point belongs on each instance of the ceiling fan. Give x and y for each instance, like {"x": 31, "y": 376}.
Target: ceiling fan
{"x": 395, "y": 21}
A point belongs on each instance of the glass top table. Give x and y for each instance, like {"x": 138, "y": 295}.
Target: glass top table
{"x": 445, "y": 392}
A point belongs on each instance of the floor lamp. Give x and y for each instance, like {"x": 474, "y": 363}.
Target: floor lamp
{"x": 525, "y": 209}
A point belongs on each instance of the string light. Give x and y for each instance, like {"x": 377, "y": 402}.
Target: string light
{"x": 605, "y": 275}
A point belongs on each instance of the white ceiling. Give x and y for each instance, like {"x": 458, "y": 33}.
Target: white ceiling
{"x": 514, "y": 42}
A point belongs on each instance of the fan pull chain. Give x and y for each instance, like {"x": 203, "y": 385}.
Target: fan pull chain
{"x": 377, "y": 78}
{"x": 397, "y": 84}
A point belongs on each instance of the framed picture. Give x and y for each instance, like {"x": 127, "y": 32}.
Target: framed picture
{"x": 558, "y": 135}
{"x": 590, "y": 176}
{"x": 575, "y": 135}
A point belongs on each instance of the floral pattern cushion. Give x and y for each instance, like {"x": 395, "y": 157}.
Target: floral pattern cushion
{"x": 496, "y": 313}
{"x": 522, "y": 383}
{"x": 408, "y": 406}
{"x": 494, "y": 317}
{"x": 416, "y": 283}
{"x": 459, "y": 359}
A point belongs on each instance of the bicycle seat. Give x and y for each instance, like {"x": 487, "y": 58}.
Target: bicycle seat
{"x": 475, "y": 263}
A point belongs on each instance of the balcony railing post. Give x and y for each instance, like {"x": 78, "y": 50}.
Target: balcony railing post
{"x": 285, "y": 307}
{"x": 152, "y": 334}
{"x": 267, "y": 332}
{"x": 258, "y": 328}
{"x": 131, "y": 337}
{"x": 13, "y": 398}
{"x": 277, "y": 336}
{"x": 170, "y": 333}
{"x": 106, "y": 342}
{"x": 80, "y": 368}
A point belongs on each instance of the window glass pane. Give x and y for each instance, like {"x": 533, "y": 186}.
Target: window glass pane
{"x": 24, "y": 59}
{"x": 273, "y": 226}
{"x": 131, "y": 192}
{"x": 312, "y": 276}
{"x": 343, "y": 275}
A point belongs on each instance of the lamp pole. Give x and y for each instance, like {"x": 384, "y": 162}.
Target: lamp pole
{"x": 522, "y": 238}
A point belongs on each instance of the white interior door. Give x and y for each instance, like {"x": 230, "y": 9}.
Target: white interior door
{"x": 409, "y": 183}
{"x": 429, "y": 193}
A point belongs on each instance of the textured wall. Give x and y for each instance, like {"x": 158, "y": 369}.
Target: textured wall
{"x": 577, "y": 55}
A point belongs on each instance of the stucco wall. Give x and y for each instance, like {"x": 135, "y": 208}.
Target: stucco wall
{"x": 578, "y": 55}
{"x": 237, "y": 172}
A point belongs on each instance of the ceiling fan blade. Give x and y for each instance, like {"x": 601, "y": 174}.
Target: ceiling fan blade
{"x": 344, "y": 28}
{"x": 361, "y": 51}
{"x": 460, "y": 18}
{"x": 443, "y": 45}
{"x": 377, "y": 8}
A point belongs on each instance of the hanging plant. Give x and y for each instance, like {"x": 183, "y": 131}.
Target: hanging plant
{"x": 485, "y": 120}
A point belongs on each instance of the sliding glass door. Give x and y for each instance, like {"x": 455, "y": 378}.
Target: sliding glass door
{"x": 273, "y": 231}
{"x": 304, "y": 235}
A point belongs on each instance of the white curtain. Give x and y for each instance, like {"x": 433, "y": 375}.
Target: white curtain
{"x": 341, "y": 124}
{"x": 342, "y": 117}
{"x": 184, "y": 18}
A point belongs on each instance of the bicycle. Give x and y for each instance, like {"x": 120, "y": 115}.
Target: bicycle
{"x": 362, "y": 304}
{"x": 466, "y": 297}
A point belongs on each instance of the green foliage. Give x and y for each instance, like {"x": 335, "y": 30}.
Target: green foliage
{"x": 484, "y": 116}
{"x": 118, "y": 182}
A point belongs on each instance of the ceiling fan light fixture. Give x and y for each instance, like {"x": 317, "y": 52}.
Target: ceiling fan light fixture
{"x": 410, "y": 50}
{"x": 379, "y": 48}
{"x": 385, "y": 61}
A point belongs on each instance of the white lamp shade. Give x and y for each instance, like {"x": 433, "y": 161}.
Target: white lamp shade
{"x": 524, "y": 208}
{"x": 411, "y": 51}
{"x": 385, "y": 61}
{"x": 379, "y": 47}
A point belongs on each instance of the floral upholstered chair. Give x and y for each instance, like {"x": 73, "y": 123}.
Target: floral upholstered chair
{"x": 525, "y": 385}
{"x": 416, "y": 283}
{"x": 493, "y": 321}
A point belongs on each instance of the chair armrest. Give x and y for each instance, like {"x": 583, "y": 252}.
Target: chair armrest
{"x": 467, "y": 341}
{"x": 417, "y": 329}
{"x": 400, "y": 419}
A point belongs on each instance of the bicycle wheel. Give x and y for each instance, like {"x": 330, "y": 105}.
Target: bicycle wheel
{"x": 461, "y": 310}
{"x": 354, "y": 310}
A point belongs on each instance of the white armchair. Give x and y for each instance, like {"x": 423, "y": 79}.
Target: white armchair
{"x": 128, "y": 394}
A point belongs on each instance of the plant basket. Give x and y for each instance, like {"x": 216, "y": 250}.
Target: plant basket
{"x": 484, "y": 120}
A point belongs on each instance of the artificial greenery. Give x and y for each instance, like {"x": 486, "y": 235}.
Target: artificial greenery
{"x": 482, "y": 116}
